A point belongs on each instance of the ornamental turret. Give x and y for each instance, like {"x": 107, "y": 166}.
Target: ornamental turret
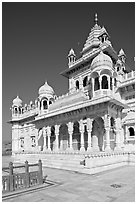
{"x": 16, "y": 106}
{"x": 71, "y": 57}
{"x": 46, "y": 96}
{"x": 122, "y": 55}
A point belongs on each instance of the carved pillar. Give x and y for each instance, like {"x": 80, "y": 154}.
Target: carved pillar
{"x": 49, "y": 134}
{"x": 81, "y": 128}
{"x": 93, "y": 84}
{"x": 100, "y": 81}
{"x": 113, "y": 86}
{"x": 70, "y": 131}
{"x": 36, "y": 138}
{"x": 107, "y": 130}
{"x": 57, "y": 137}
{"x": 44, "y": 135}
{"x": 108, "y": 78}
{"x": 80, "y": 83}
{"x": 89, "y": 130}
{"x": 118, "y": 133}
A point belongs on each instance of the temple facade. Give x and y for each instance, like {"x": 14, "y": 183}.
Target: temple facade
{"x": 97, "y": 114}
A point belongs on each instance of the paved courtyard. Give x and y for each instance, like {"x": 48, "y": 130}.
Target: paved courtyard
{"x": 76, "y": 187}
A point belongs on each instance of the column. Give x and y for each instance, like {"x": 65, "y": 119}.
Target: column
{"x": 113, "y": 87}
{"x": 93, "y": 82}
{"x": 44, "y": 135}
{"x": 36, "y": 139}
{"x": 49, "y": 134}
{"x": 57, "y": 136}
{"x": 108, "y": 78}
{"x": 100, "y": 84}
{"x": 89, "y": 130}
{"x": 107, "y": 130}
{"x": 118, "y": 134}
{"x": 70, "y": 131}
{"x": 81, "y": 128}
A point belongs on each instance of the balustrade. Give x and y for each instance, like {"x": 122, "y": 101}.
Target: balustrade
{"x": 15, "y": 181}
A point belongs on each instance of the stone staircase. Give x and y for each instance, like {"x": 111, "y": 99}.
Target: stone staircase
{"x": 57, "y": 160}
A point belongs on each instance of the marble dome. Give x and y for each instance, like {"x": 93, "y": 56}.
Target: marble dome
{"x": 46, "y": 89}
{"x": 101, "y": 60}
{"x": 17, "y": 101}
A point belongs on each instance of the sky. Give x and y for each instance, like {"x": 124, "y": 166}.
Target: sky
{"x": 36, "y": 39}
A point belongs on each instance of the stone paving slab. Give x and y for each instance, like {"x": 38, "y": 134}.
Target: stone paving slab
{"x": 76, "y": 187}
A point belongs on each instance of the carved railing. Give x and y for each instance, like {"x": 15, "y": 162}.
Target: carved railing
{"x": 15, "y": 181}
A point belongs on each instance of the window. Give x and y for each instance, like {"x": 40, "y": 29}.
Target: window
{"x": 50, "y": 102}
{"x": 131, "y": 131}
{"x": 104, "y": 82}
{"x": 77, "y": 84}
{"x": 45, "y": 106}
{"x": 15, "y": 110}
{"x": 96, "y": 87}
{"x": 110, "y": 83}
{"x": 85, "y": 81}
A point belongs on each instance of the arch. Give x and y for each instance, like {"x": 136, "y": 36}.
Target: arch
{"x": 111, "y": 83}
{"x": 98, "y": 134}
{"x": 96, "y": 84}
{"x": 85, "y": 81}
{"x": 45, "y": 104}
{"x": 63, "y": 137}
{"x": 76, "y": 136}
{"x": 77, "y": 85}
{"x": 112, "y": 122}
{"x": 131, "y": 131}
{"x": 104, "y": 82}
{"x": 94, "y": 74}
{"x": 52, "y": 138}
{"x": 106, "y": 72}
{"x": 15, "y": 110}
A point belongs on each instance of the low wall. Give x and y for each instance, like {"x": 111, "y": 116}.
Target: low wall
{"x": 100, "y": 162}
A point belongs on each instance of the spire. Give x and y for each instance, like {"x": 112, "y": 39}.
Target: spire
{"x": 96, "y": 18}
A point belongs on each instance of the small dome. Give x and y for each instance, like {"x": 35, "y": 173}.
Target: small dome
{"x": 101, "y": 60}
{"x": 71, "y": 52}
{"x": 46, "y": 89}
{"x": 17, "y": 101}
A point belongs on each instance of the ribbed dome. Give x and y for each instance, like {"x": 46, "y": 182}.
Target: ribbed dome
{"x": 46, "y": 89}
{"x": 101, "y": 60}
{"x": 17, "y": 101}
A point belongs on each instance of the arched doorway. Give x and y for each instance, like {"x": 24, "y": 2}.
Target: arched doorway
{"x": 76, "y": 136}
{"x": 63, "y": 137}
{"x": 98, "y": 134}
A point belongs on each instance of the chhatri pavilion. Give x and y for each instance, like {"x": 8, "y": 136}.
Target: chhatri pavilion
{"x": 96, "y": 115}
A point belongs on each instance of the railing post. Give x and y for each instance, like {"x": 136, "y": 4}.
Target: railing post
{"x": 27, "y": 174}
{"x": 11, "y": 182}
{"x": 40, "y": 176}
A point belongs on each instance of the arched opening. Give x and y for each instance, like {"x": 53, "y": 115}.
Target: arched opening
{"x": 19, "y": 110}
{"x": 131, "y": 131}
{"x": 50, "y": 102}
{"x": 104, "y": 82}
{"x": 111, "y": 83}
{"x": 52, "y": 138}
{"x": 98, "y": 134}
{"x": 76, "y": 136}
{"x": 112, "y": 133}
{"x": 96, "y": 86}
{"x": 15, "y": 110}
{"x": 85, "y": 81}
{"x": 115, "y": 82}
{"x": 77, "y": 85}
{"x": 63, "y": 137}
{"x": 85, "y": 137}
{"x": 45, "y": 105}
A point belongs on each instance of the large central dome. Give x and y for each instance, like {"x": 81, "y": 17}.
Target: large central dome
{"x": 101, "y": 60}
{"x": 46, "y": 89}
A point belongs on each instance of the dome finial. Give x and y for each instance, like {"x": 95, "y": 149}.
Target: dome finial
{"x": 96, "y": 18}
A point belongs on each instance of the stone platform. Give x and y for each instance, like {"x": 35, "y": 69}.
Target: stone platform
{"x": 79, "y": 162}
